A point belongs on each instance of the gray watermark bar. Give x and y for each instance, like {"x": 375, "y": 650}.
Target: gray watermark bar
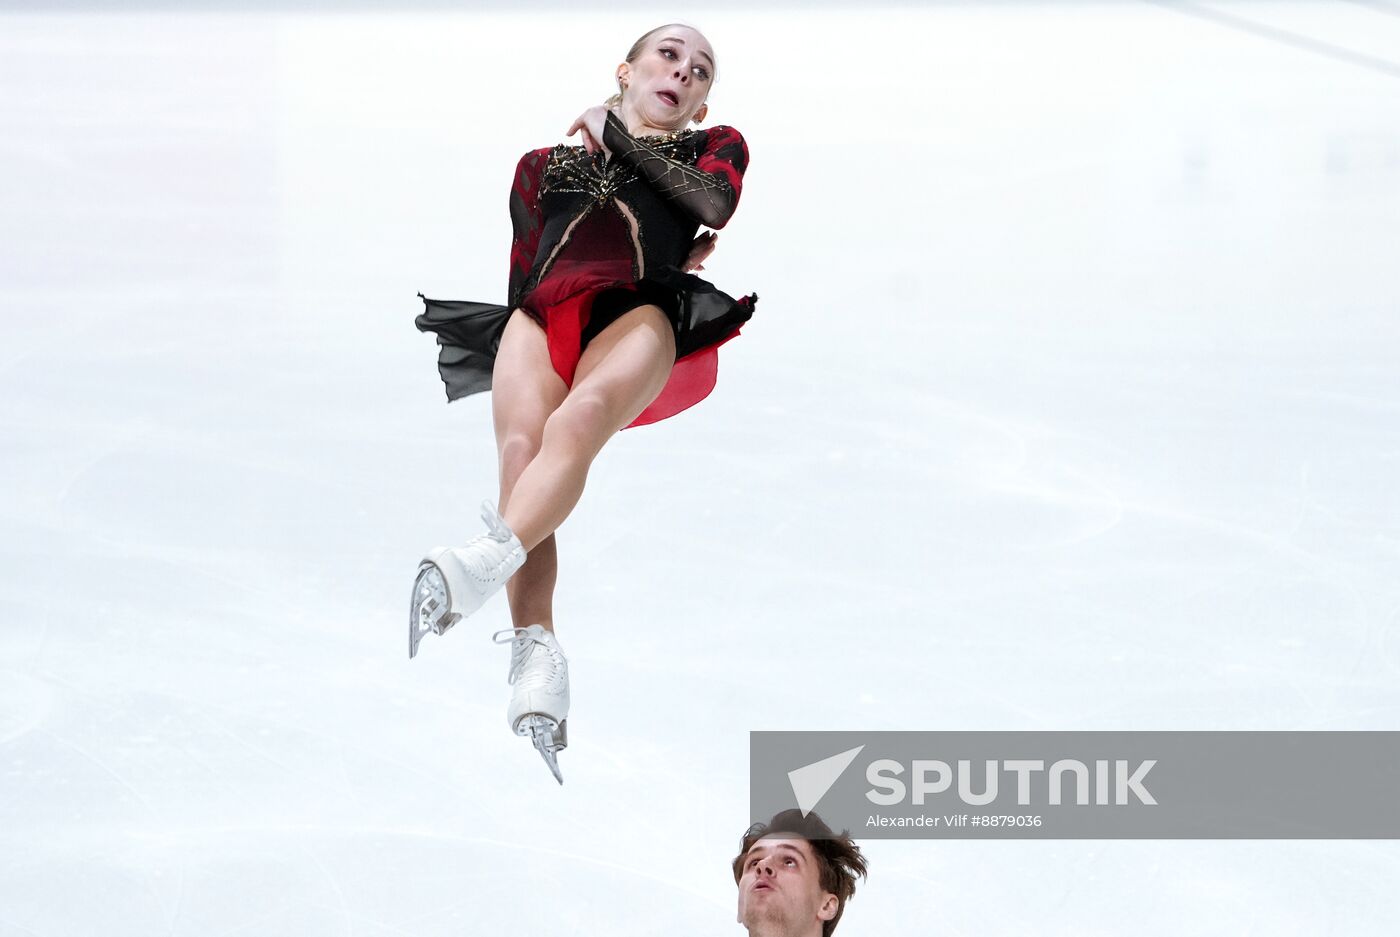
{"x": 1083, "y": 785}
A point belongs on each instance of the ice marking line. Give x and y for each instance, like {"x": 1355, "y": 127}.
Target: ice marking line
{"x": 204, "y": 564}
{"x": 1106, "y": 499}
{"x": 340, "y": 743}
{"x": 9, "y": 923}
{"x": 79, "y": 693}
{"x": 13, "y": 678}
{"x": 1378, "y": 6}
{"x": 1385, "y": 638}
{"x": 104, "y": 766}
{"x": 335, "y": 884}
{"x": 262, "y": 919}
{"x": 179, "y": 898}
{"x": 1309, "y": 560}
{"x": 1283, "y": 37}
{"x": 1360, "y": 401}
{"x": 363, "y": 918}
{"x": 237, "y": 739}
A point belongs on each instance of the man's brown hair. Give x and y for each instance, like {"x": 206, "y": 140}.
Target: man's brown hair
{"x": 839, "y": 859}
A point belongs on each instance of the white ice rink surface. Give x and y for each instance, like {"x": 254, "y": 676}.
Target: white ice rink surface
{"x": 1071, "y": 402}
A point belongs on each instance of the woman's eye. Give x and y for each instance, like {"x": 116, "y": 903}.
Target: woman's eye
{"x": 669, "y": 53}
{"x": 702, "y": 74}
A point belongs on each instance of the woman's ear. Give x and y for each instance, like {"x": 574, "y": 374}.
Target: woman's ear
{"x": 624, "y": 75}
{"x": 700, "y": 114}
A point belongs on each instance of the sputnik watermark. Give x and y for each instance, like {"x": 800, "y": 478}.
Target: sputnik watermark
{"x": 1084, "y": 784}
{"x": 889, "y": 789}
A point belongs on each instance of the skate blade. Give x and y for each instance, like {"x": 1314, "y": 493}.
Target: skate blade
{"x": 549, "y": 739}
{"x": 429, "y": 610}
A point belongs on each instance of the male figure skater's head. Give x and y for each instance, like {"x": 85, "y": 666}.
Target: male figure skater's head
{"x": 795, "y": 875}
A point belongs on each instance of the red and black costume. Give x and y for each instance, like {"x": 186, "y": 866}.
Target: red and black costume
{"x": 596, "y": 237}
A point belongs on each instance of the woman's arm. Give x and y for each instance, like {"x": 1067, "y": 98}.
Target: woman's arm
{"x": 526, "y": 219}
{"x": 708, "y": 191}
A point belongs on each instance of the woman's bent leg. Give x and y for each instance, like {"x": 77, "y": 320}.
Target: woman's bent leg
{"x": 621, "y": 371}
{"x": 525, "y": 390}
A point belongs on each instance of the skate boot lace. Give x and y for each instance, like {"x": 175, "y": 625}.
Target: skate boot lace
{"x": 485, "y": 563}
{"x": 534, "y": 663}
{"x": 495, "y": 524}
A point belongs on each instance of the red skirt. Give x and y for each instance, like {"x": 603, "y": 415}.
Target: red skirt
{"x": 573, "y": 305}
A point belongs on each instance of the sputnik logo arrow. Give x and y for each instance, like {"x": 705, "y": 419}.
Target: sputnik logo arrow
{"x": 811, "y": 782}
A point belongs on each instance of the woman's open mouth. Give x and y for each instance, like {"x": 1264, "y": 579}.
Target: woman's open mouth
{"x": 669, "y": 97}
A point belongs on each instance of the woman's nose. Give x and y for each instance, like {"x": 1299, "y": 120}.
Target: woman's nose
{"x": 682, "y": 75}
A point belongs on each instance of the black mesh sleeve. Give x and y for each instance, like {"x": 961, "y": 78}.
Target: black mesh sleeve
{"x": 708, "y": 191}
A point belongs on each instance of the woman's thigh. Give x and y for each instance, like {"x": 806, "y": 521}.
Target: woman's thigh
{"x": 525, "y": 388}
{"x": 626, "y": 366}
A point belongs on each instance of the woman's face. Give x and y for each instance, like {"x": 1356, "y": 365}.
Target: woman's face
{"x": 668, "y": 82}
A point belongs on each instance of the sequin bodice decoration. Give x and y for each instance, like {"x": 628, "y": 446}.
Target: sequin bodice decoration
{"x": 648, "y": 198}
{"x": 571, "y": 169}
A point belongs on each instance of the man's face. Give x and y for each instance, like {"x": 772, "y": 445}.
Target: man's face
{"x": 781, "y": 885}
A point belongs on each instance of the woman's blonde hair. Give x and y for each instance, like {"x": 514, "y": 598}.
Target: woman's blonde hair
{"x": 636, "y": 51}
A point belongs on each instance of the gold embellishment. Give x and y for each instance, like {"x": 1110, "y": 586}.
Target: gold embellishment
{"x": 572, "y": 169}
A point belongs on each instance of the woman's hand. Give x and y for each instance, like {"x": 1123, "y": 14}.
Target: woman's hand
{"x": 590, "y": 124}
{"x": 703, "y": 247}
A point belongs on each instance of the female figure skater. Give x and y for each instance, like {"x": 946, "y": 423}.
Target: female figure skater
{"x": 605, "y": 329}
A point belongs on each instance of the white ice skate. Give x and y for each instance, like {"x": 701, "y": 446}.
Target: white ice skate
{"x": 454, "y": 582}
{"x": 539, "y": 702}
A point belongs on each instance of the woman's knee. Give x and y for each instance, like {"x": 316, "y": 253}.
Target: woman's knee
{"x": 583, "y": 420}
{"x": 517, "y": 450}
